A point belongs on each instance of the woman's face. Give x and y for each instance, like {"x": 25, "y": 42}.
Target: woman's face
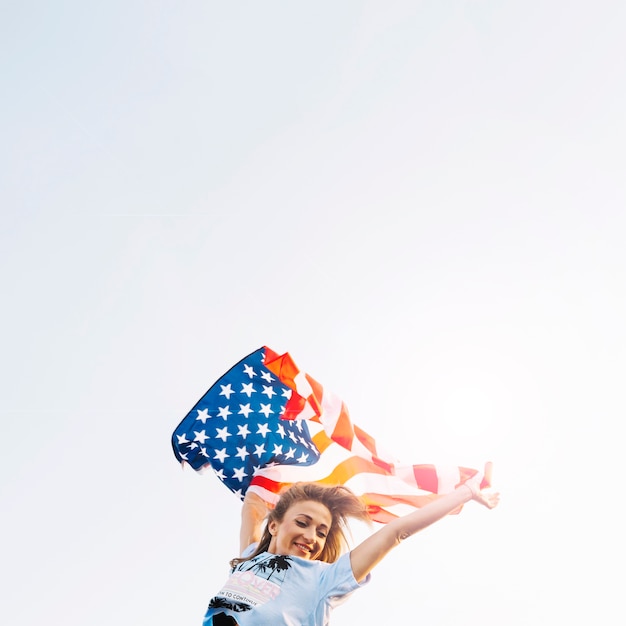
{"x": 303, "y": 530}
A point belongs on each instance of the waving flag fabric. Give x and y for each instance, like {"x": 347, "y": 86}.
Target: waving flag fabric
{"x": 265, "y": 425}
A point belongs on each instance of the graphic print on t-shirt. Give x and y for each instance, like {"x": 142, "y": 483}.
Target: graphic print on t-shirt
{"x": 252, "y": 583}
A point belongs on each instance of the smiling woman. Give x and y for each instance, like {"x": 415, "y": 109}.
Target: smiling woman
{"x": 314, "y": 516}
{"x": 303, "y": 531}
{"x": 295, "y": 570}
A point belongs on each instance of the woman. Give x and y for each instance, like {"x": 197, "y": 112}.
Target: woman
{"x": 294, "y": 572}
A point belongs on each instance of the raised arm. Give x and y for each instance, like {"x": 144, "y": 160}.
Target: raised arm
{"x": 253, "y": 513}
{"x": 373, "y": 549}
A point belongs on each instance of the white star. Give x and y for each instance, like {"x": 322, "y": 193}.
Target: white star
{"x": 238, "y": 493}
{"x": 239, "y": 474}
{"x": 248, "y": 370}
{"x": 200, "y": 436}
{"x": 280, "y": 431}
{"x": 299, "y": 425}
{"x": 259, "y": 450}
{"x": 268, "y": 390}
{"x": 182, "y": 439}
{"x": 204, "y": 453}
{"x": 245, "y": 410}
{"x": 223, "y": 434}
{"x": 248, "y": 389}
{"x": 303, "y": 440}
{"x": 292, "y": 436}
{"x": 263, "y": 429}
{"x": 303, "y": 458}
{"x": 242, "y": 453}
{"x": 227, "y": 391}
{"x": 224, "y": 412}
{"x": 220, "y": 455}
{"x": 219, "y": 473}
{"x": 193, "y": 446}
{"x": 243, "y": 430}
{"x": 265, "y": 409}
{"x": 286, "y": 393}
{"x": 256, "y": 469}
{"x": 203, "y": 415}
{"x": 277, "y": 449}
{"x": 183, "y": 456}
{"x": 290, "y": 453}
{"x": 267, "y": 376}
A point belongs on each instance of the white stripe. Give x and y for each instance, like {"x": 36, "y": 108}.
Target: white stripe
{"x": 387, "y": 485}
{"x": 302, "y": 385}
{"x": 331, "y": 410}
{"x": 307, "y": 412}
{"x": 406, "y": 473}
{"x": 448, "y": 477}
{"x": 268, "y": 496}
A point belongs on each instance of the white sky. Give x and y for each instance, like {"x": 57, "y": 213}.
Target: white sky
{"x": 424, "y": 202}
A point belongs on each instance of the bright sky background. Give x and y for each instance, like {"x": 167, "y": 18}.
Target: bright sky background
{"x": 423, "y": 201}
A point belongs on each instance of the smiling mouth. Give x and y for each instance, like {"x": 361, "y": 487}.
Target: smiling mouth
{"x": 303, "y": 548}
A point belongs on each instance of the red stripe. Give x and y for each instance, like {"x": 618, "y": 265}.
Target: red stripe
{"x": 283, "y": 366}
{"x": 294, "y": 406}
{"x": 315, "y": 399}
{"x": 388, "y": 467}
{"x": 343, "y": 433}
{"x": 367, "y": 440}
{"x": 268, "y": 484}
{"x": 466, "y": 473}
{"x": 426, "y": 477}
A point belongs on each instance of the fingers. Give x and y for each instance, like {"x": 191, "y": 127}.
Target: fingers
{"x": 487, "y": 475}
{"x": 491, "y": 500}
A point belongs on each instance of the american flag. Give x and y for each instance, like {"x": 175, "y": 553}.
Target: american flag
{"x": 265, "y": 425}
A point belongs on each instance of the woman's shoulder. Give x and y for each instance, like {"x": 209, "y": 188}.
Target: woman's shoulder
{"x": 249, "y": 551}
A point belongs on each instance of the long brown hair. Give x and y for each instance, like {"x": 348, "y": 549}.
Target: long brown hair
{"x": 339, "y": 500}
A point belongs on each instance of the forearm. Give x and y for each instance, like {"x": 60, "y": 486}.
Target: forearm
{"x": 253, "y": 513}
{"x": 368, "y": 554}
{"x": 408, "y": 525}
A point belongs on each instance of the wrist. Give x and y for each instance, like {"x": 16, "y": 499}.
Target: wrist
{"x": 473, "y": 492}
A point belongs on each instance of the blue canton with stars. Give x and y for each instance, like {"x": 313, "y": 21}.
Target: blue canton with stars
{"x": 236, "y": 427}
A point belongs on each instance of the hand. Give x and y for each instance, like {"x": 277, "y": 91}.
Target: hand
{"x": 490, "y": 499}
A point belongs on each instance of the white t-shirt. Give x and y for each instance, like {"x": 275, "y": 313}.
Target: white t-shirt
{"x": 278, "y": 590}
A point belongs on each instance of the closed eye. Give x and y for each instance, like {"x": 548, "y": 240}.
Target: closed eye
{"x": 320, "y": 533}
